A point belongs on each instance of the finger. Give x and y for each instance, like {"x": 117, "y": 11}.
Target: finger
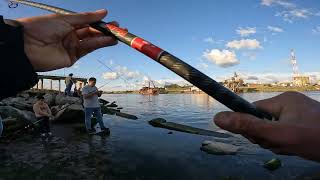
{"x": 271, "y": 105}
{"x": 88, "y": 32}
{"x": 272, "y": 134}
{"x": 84, "y": 18}
{"x": 115, "y": 23}
{"x": 88, "y": 45}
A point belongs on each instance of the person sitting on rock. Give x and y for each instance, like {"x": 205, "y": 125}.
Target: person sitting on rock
{"x": 91, "y": 105}
{"x": 69, "y": 82}
{"x": 43, "y": 114}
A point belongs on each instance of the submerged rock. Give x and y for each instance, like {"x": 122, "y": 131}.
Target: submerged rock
{"x": 272, "y": 164}
{"x": 106, "y": 110}
{"x": 219, "y": 148}
{"x": 126, "y": 115}
{"x": 162, "y": 123}
{"x": 103, "y": 102}
{"x": 112, "y": 104}
{"x": 110, "y": 111}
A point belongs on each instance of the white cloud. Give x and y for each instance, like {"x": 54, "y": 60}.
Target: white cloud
{"x": 209, "y": 40}
{"x": 123, "y": 71}
{"x": 222, "y": 58}
{"x": 203, "y": 65}
{"x": 244, "y": 32}
{"x": 282, "y": 3}
{"x": 146, "y": 78}
{"x": 110, "y": 75}
{"x": 292, "y": 15}
{"x": 212, "y": 40}
{"x": 316, "y": 30}
{"x": 267, "y": 2}
{"x": 244, "y": 44}
{"x": 290, "y": 11}
{"x": 275, "y": 29}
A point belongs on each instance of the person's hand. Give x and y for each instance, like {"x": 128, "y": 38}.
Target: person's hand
{"x": 296, "y": 133}
{"x": 99, "y": 93}
{"x": 56, "y": 41}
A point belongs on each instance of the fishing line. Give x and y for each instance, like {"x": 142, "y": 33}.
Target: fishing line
{"x": 184, "y": 70}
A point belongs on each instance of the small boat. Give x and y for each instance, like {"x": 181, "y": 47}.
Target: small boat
{"x": 149, "y": 90}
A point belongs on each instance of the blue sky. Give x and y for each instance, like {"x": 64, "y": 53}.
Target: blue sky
{"x": 252, "y": 37}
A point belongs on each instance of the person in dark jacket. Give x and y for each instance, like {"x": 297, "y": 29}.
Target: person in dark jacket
{"x": 69, "y": 82}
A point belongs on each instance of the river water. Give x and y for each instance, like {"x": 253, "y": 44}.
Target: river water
{"x": 136, "y": 150}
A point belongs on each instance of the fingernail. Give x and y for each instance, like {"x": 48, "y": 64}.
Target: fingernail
{"x": 222, "y": 120}
{"x": 101, "y": 10}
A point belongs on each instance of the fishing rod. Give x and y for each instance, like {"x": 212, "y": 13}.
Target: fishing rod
{"x": 103, "y": 64}
{"x": 184, "y": 70}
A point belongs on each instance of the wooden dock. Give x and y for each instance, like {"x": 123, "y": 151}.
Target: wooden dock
{"x": 52, "y": 78}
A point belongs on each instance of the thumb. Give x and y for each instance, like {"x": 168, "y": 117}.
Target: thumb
{"x": 84, "y": 18}
{"x": 240, "y": 123}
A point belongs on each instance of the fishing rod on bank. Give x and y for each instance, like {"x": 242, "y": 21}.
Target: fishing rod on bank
{"x": 184, "y": 70}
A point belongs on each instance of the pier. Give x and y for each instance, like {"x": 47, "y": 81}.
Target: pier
{"x": 52, "y": 78}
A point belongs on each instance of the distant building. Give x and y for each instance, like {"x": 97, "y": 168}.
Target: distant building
{"x": 195, "y": 89}
{"x": 301, "y": 80}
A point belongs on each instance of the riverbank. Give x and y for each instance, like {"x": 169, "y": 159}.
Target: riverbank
{"x": 136, "y": 150}
{"x": 261, "y": 88}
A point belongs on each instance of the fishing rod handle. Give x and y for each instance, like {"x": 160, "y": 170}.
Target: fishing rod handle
{"x": 184, "y": 70}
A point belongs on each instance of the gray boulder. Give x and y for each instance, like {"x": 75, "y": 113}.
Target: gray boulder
{"x": 69, "y": 114}
{"x": 20, "y": 115}
{"x": 61, "y": 99}
{"x": 219, "y": 148}
{"x": 50, "y": 98}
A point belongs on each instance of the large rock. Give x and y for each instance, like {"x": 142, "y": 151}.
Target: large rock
{"x": 50, "y": 98}
{"x": 19, "y": 103}
{"x": 20, "y": 115}
{"x": 69, "y": 114}
{"x": 23, "y": 94}
{"x": 61, "y": 99}
{"x": 219, "y": 148}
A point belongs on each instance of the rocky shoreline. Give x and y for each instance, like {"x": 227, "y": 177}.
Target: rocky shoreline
{"x": 17, "y": 112}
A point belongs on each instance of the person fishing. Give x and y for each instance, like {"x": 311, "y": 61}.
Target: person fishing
{"x": 43, "y": 115}
{"x": 91, "y": 105}
{"x": 69, "y": 82}
{"x": 63, "y": 39}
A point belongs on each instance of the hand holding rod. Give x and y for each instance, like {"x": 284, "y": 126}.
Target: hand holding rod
{"x": 189, "y": 73}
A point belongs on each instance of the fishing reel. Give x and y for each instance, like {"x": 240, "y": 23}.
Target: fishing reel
{"x": 12, "y": 4}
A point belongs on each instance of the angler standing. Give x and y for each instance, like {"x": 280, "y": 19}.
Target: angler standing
{"x": 91, "y": 105}
{"x": 69, "y": 82}
{"x": 43, "y": 114}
